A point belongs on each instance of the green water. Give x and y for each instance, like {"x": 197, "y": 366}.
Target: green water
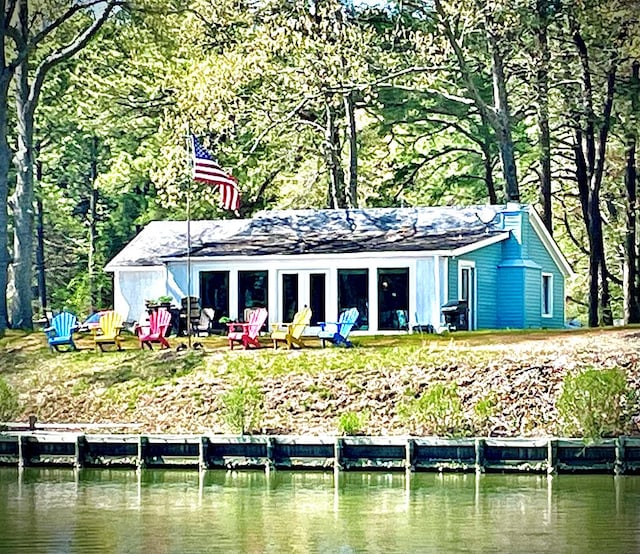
{"x": 57, "y": 510}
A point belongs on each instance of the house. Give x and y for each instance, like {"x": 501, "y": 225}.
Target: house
{"x": 398, "y": 266}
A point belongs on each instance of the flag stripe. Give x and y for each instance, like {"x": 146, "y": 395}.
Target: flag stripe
{"x": 206, "y": 170}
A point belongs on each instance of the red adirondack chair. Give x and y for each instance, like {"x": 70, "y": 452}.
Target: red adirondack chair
{"x": 159, "y": 323}
{"x": 247, "y": 333}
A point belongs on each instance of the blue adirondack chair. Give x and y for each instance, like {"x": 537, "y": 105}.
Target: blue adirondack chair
{"x": 338, "y": 332}
{"x": 60, "y": 333}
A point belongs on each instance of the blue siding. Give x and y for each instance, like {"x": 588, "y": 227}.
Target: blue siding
{"x": 532, "y": 298}
{"x": 540, "y": 254}
{"x": 486, "y": 261}
{"x": 509, "y": 279}
{"x": 510, "y": 304}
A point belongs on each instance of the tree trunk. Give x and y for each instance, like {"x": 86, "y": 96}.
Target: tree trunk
{"x": 590, "y": 149}
{"x": 352, "y": 188}
{"x": 542, "y": 86}
{"x": 21, "y": 309}
{"x": 487, "y": 160}
{"x": 631, "y": 268}
{"x": 6, "y": 74}
{"x": 497, "y": 116}
{"x": 40, "y": 263}
{"x": 93, "y": 233}
{"x": 5, "y": 159}
{"x": 503, "y": 119}
{"x": 337, "y": 197}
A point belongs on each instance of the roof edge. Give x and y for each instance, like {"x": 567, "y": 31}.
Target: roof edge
{"x": 549, "y": 243}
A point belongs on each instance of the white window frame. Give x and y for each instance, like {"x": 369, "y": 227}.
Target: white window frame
{"x": 473, "y": 290}
{"x": 548, "y": 277}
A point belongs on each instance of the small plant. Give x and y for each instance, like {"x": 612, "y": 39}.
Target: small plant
{"x": 483, "y": 410}
{"x": 8, "y": 402}
{"x": 242, "y": 407}
{"x": 438, "y": 411}
{"x": 353, "y": 423}
{"x": 593, "y": 403}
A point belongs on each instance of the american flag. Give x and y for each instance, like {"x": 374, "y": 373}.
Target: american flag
{"x": 206, "y": 170}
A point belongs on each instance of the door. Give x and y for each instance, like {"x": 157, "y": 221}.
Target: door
{"x": 303, "y": 288}
{"x": 467, "y": 291}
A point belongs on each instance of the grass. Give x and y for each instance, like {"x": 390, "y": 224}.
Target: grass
{"x": 305, "y": 389}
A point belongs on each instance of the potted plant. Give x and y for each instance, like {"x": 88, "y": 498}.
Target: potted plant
{"x": 165, "y": 301}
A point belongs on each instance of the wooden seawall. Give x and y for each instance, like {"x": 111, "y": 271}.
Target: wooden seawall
{"x": 544, "y": 455}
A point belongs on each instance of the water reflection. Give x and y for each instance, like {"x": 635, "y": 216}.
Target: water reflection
{"x": 57, "y": 510}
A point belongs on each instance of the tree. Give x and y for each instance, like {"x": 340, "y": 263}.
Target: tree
{"x": 29, "y": 33}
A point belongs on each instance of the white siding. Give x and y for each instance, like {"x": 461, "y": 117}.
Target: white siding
{"x": 132, "y": 288}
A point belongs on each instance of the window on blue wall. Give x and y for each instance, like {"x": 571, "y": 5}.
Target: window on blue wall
{"x": 547, "y": 295}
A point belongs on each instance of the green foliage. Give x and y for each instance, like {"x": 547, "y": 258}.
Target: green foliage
{"x": 594, "y": 403}
{"x": 242, "y": 406}
{"x": 8, "y": 401}
{"x": 353, "y": 423}
{"x": 483, "y": 410}
{"x": 437, "y": 411}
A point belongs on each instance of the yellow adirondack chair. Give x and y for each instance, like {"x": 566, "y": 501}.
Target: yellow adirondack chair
{"x": 291, "y": 333}
{"x": 108, "y": 331}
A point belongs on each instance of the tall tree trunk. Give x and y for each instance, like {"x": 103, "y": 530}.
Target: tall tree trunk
{"x": 26, "y": 101}
{"x": 5, "y": 160}
{"x": 40, "y": 258}
{"x": 542, "y": 86}
{"x": 21, "y": 309}
{"x": 631, "y": 268}
{"x": 93, "y": 233}
{"x": 498, "y": 115}
{"x": 487, "y": 159}
{"x": 503, "y": 118}
{"x": 6, "y": 74}
{"x": 337, "y": 197}
{"x": 352, "y": 187}
{"x": 590, "y": 163}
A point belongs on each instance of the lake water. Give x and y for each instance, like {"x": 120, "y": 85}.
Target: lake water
{"x": 157, "y": 511}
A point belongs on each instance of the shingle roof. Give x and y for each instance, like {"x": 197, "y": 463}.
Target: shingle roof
{"x": 290, "y": 232}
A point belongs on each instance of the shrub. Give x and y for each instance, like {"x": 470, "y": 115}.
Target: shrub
{"x": 483, "y": 410}
{"x": 8, "y": 402}
{"x": 352, "y": 423}
{"x": 593, "y": 403}
{"x": 438, "y": 411}
{"x": 242, "y": 407}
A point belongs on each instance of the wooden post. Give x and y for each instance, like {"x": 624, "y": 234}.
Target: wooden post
{"x": 142, "y": 452}
{"x": 337, "y": 453}
{"x": 409, "y": 461}
{"x": 203, "y": 459}
{"x": 479, "y": 447}
{"x": 619, "y": 466}
{"x": 552, "y": 456}
{"x": 23, "y": 451}
{"x": 271, "y": 449}
{"x": 80, "y": 451}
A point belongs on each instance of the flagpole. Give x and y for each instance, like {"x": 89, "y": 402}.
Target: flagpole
{"x": 189, "y": 158}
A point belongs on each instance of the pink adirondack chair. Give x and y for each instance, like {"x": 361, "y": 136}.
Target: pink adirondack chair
{"x": 159, "y": 323}
{"x": 247, "y": 333}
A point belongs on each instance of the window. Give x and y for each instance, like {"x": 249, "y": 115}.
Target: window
{"x": 393, "y": 299}
{"x": 353, "y": 292}
{"x": 317, "y": 294}
{"x": 252, "y": 290}
{"x": 214, "y": 293}
{"x": 289, "y": 296}
{"x": 547, "y": 295}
